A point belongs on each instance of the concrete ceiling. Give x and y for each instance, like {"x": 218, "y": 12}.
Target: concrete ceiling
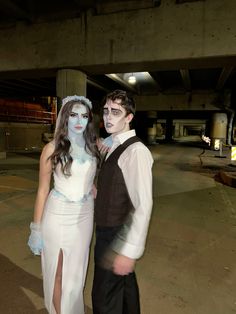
{"x": 167, "y": 80}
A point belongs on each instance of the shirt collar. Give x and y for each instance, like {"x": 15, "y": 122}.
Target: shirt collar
{"x": 122, "y": 137}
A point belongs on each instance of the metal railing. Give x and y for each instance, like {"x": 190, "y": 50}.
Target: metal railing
{"x": 25, "y": 115}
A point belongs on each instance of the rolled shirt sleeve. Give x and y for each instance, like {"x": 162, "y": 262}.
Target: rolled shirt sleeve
{"x": 136, "y": 165}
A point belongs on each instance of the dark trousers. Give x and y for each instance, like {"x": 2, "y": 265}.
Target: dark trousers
{"x": 111, "y": 293}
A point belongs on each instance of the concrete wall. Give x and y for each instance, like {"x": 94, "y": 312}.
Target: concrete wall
{"x": 22, "y": 136}
{"x": 167, "y": 36}
{"x": 177, "y": 102}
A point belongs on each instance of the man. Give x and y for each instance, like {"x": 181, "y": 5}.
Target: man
{"x": 122, "y": 211}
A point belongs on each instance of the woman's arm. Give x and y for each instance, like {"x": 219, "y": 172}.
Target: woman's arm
{"x": 35, "y": 241}
{"x": 45, "y": 172}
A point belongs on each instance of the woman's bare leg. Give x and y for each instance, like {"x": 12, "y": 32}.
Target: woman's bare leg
{"x": 58, "y": 284}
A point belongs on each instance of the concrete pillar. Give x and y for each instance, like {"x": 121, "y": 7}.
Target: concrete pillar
{"x": 185, "y": 131}
{"x": 177, "y": 129}
{"x": 152, "y": 129}
{"x": 159, "y": 130}
{"x": 169, "y": 125}
{"x": 181, "y": 130}
{"x": 218, "y": 130}
{"x": 2, "y": 144}
{"x": 71, "y": 82}
{"x": 219, "y": 126}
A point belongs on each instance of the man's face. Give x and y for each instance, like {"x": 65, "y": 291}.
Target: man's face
{"x": 78, "y": 120}
{"x": 114, "y": 116}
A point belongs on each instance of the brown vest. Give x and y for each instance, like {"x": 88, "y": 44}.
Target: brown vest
{"x": 113, "y": 203}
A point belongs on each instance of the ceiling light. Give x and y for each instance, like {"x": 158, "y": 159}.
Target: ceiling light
{"x": 132, "y": 79}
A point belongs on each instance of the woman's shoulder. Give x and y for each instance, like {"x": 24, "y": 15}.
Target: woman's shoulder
{"x": 48, "y": 148}
{"x": 51, "y": 144}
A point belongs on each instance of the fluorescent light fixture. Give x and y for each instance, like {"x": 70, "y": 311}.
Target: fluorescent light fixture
{"x": 132, "y": 79}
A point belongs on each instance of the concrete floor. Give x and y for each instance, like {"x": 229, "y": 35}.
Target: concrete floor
{"x": 189, "y": 266}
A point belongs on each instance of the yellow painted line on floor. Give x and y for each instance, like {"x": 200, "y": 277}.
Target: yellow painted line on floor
{"x": 233, "y": 153}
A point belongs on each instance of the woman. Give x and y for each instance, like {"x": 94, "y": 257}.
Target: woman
{"x": 63, "y": 219}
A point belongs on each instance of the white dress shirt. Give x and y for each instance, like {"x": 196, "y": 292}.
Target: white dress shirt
{"x": 136, "y": 165}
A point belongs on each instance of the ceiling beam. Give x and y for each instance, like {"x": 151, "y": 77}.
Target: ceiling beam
{"x": 85, "y": 3}
{"x": 12, "y": 9}
{"x": 224, "y": 75}
{"x": 117, "y": 79}
{"x": 157, "y": 81}
{"x": 15, "y": 85}
{"x": 183, "y": 1}
{"x": 90, "y": 82}
{"x": 186, "y": 79}
{"x": 34, "y": 84}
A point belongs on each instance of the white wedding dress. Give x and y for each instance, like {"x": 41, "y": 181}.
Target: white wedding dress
{"x": 67, "y": 225}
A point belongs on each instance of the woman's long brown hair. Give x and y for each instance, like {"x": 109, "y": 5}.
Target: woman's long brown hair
{"x": 61, "y": 154}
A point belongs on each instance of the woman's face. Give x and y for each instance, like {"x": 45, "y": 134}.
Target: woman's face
{"x": 78, "y": 120}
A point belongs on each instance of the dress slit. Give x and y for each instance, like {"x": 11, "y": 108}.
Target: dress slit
{"x": 70, "y": 234}
{"x": 58, "y": 273}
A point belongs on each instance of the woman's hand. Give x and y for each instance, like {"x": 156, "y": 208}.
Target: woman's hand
{"x": 35, "y": 239}
{"x": 94, "y": 191}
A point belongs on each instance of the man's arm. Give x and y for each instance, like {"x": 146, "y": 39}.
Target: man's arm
{"x": 136, "y": 165}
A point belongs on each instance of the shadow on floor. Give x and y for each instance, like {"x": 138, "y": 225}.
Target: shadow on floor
{"x": 13, "y": 282}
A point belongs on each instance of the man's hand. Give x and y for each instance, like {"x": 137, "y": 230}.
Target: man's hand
{"x": 103, "y": 148}
{"x": 123, "y": 265}
{"x": 118, "y": 264}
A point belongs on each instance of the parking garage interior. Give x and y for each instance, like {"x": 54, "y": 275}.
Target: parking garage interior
{"x": 177, "y": 58}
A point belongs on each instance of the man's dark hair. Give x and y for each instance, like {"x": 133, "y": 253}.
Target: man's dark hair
{"x": 127, "y": 101}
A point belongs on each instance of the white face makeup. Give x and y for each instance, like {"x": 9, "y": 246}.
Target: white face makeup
{"x": 77, "y": 121}
{"x": 114, "y": 117}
